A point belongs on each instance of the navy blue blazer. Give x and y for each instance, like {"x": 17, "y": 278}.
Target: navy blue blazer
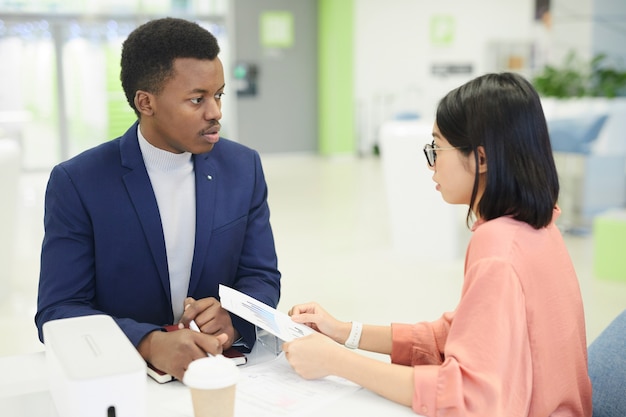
{"x": 104, "y": 252}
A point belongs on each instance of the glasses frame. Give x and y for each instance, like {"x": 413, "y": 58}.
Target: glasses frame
{"x": 430, "y": 152}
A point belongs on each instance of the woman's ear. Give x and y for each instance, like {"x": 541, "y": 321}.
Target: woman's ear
{"x": 482, "y": 159}
{"x": 143, "y": 102}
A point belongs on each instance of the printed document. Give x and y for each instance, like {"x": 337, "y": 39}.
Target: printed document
{"x": 277, "y": 323}
{"x": 273, "y": 389}
{"x": 268, "y": 389}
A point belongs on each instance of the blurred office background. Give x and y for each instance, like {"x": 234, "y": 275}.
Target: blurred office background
{"x": 339, "y": 98}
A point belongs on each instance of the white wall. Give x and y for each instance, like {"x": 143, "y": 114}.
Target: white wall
{"x": 394, "y": 53}
{"x": 609, "y": 31}
{"x": 573, "y": 24}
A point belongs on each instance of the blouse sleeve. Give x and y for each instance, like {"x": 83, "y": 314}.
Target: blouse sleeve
{"x": 486, "y": 367}
{"x": 421, "y": 343}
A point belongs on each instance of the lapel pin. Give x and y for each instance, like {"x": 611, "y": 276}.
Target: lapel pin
{"x": 209, "y": 177}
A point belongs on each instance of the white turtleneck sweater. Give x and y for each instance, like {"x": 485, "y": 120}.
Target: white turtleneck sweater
{"x": 173, "y": 182}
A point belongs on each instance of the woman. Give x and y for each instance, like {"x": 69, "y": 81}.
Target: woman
{"x": 515, "y": 345}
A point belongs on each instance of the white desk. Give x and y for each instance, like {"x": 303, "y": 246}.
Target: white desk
{"x": 24, "y": 392}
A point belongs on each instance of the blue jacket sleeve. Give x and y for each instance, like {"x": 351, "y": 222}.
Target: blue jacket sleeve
{"x": 67, "y": 273}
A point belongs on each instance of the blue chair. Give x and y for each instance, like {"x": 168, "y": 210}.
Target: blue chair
{"x": 576, "y": 134}
{"x": 607, "y": 369}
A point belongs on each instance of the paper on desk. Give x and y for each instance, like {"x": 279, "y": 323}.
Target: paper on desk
{"x": 273, "y": 389}
{"x": 260, "y": 314}
{"x": 268, "y": 389}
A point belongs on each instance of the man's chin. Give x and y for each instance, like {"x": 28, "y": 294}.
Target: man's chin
{"x": 206, "y": 147}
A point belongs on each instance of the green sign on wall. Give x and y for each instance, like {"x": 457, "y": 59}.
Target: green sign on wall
{"x": 276, "y": 29}
{"x": 442, "y": 30}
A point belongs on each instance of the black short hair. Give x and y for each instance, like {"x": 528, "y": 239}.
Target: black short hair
{"x": 149, "y": 52}
{"x": 503, "y": 113}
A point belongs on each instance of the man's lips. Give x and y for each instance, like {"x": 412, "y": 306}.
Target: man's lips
{"x": 212, "y": 134}
{"x": 212, "y": 129}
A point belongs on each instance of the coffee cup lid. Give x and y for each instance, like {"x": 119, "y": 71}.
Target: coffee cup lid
{"x": 211, "y": 372}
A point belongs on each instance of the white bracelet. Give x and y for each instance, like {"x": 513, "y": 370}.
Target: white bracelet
{"x": 355, "y": 335}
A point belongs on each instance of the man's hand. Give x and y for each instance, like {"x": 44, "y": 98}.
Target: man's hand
{"x": 210, "y": 317}
{"x": 172, "y": 352}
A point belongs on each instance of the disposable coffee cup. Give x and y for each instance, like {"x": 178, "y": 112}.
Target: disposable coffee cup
{"x": 212, "y": 382}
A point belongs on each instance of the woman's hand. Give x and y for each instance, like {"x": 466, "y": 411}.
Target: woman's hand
{"x": 314, "y": 316}
{"x": 312, "y": 356}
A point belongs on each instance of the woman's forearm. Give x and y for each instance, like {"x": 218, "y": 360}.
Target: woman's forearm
{"x": 376, "y": 339}
{"x": 394, "y": 382}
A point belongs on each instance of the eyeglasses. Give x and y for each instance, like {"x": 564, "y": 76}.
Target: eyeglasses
{"x": 430, "y": 150}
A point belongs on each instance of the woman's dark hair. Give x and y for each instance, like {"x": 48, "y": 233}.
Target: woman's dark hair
{"x": 503, "y": 113}
{"x": 149, "y": 52}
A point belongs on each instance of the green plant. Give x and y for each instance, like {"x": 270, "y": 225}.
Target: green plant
{"x": 606, "y": 81}
{"x": 577, "y": 78}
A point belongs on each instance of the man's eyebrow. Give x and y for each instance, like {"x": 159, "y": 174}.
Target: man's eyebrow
{"x": 197, "y": 91}
{"x": 203, "y": 90}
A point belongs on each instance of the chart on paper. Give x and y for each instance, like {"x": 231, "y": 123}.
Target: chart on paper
{"x": 277, "y": 323}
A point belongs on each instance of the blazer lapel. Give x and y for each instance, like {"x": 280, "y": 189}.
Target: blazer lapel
{"x": 144, "y": 201}
{"x": 206, "y": 182}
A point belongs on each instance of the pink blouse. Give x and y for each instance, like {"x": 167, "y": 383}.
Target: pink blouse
{"x": 515, "y": 345}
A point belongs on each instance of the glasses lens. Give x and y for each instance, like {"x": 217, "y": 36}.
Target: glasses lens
{"x": 429, "y": 152}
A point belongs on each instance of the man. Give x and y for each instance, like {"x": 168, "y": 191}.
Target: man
{"x": 145, "y": 227}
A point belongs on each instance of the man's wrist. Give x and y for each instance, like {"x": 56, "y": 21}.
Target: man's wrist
{"x": 144, "y": 347}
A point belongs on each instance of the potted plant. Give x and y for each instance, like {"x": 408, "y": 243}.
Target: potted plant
{"x": 585, "y": 106}
{"x": 577, "y": 78}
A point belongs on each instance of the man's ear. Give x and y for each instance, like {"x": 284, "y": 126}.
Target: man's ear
{"x": 482, "y": 159}
{"x": 144, "y": 102}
